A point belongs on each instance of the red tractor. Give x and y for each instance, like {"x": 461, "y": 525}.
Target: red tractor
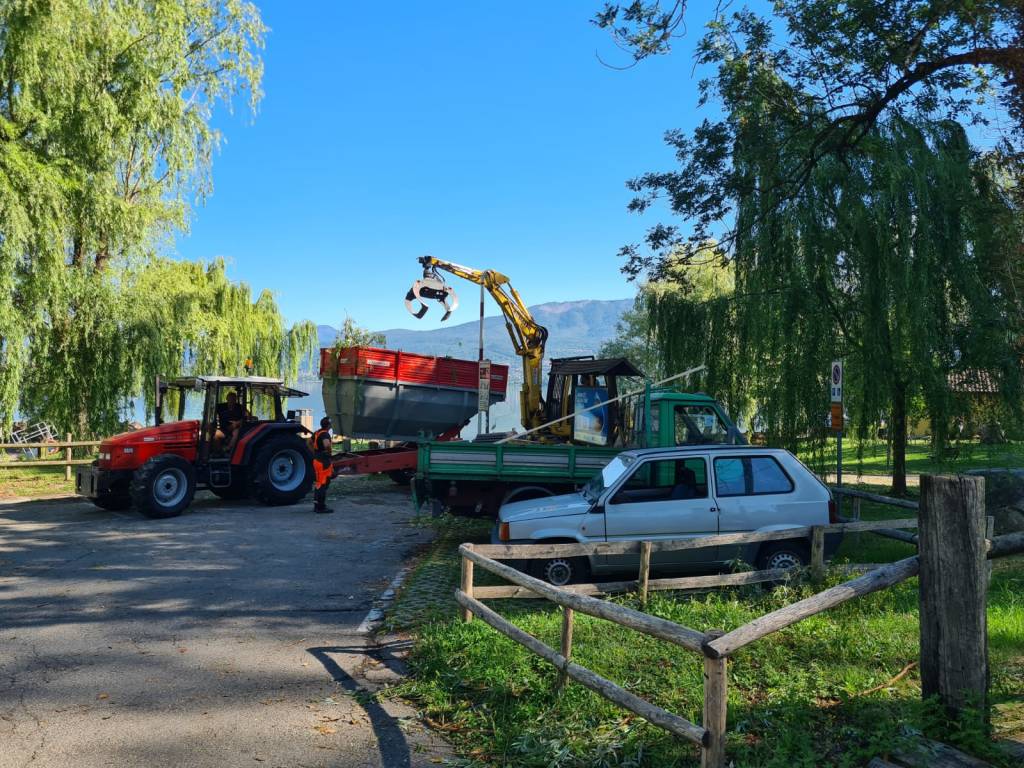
{"x": 158, "y": 469}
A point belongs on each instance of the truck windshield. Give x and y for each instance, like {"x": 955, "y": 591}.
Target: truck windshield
{"x": 612, "y": 471}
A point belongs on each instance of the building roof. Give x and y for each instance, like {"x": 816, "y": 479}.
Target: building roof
{"x": 973, "y": 381}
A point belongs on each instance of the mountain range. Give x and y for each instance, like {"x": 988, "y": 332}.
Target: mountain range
{"x": 574, "y": 328}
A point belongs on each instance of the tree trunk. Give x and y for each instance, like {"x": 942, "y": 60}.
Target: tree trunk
{"x": 899, "y": 438}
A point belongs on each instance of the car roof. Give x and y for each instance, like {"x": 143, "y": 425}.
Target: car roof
{"x": 642, "y": 453}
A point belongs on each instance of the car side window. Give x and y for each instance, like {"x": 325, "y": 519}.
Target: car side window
{"x": 666, "y": 480}
{"x": 729, "y": 477}
{"x": 750, "y": 476}
{"x": 767, "y": 476}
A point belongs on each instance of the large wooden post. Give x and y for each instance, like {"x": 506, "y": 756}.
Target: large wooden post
{"x": 67, "y": 458}
{"x": 953, "y": 591}
{"x": 715, "y": 707}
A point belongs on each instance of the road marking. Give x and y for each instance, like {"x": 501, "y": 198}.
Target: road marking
{"x": 376, "y": 614}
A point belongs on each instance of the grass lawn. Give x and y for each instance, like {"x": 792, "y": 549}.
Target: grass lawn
{"x": 874, "y": 460}
{"x": 821, "y": 692}
{"x": 33, "y": 482}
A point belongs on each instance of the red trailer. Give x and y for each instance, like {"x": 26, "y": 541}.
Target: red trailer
{"x": 393, "y": 396}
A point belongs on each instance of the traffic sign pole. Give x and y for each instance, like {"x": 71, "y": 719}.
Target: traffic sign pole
{"x": 835, "y": 378}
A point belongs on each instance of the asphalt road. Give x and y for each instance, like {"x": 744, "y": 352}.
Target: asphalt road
{"x": 229, "y": 636}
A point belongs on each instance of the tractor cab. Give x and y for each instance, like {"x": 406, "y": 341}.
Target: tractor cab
{"x": 228, "y": 408}
{"x": 226, "y": 434}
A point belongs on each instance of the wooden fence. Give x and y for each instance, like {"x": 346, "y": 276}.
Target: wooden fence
{"x": 43, "y": 449}
{"x": 941, "y": 562}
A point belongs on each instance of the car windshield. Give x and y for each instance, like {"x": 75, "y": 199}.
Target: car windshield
{"x": 612, "y": 471}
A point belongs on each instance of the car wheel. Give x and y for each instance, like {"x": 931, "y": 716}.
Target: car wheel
{"x": 401, "y": 476}
{"x": 783, "y": 554}
{"x": 560, "y": 571}
{"x": 163, "y": 486}
{"x": 282, "y": 472}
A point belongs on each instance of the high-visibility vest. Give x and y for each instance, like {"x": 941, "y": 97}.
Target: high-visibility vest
{"x": 316, "y": 439}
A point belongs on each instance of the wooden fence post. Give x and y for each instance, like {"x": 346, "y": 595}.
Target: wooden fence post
{"x": 67, "y": 458}
{"x": 953, "y": 591}
{"x": 715, "y": 707}
{"x": 567, "y": 616}
{"x": 645, "y": 570}
{"x": 817, "y": 554}
{"x": 467, "y": 584}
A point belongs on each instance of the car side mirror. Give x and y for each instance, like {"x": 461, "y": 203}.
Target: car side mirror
{"x": 597, "y": 509}
{"x": 290, "y": 415}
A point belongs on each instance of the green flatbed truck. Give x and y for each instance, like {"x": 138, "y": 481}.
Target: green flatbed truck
{"x": 477, "y": 477}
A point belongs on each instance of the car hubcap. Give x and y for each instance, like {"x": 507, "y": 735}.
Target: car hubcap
{"x": 558, "y": 572}
{"x": 170, "y": 487}
{"x": 287, "y": 470}
{"x": 784, "y": 560}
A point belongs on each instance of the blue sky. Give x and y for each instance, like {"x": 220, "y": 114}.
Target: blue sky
{"x": 484, "y": 133}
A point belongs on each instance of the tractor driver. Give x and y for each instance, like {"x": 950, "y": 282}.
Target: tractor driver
{"x": 230, "y": 415}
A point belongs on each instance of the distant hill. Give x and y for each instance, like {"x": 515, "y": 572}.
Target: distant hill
{"x": 574, "y": 328}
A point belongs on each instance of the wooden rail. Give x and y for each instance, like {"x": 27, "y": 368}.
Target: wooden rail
{"x": 42, "y": 448}
{"x": 714, "y": 646}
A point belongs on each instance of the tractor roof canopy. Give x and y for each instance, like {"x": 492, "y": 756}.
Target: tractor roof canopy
{"x": 262, "y": 384}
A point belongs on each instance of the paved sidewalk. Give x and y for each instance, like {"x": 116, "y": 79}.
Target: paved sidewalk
{"x": 231, "y": 636}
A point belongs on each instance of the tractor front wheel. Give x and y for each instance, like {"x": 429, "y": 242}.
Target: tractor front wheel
{"x": 163, "y": 486}
{"x": 282, "y": 472}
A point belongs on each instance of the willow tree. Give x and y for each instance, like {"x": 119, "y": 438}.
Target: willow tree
{"x": 105, "y": 137}
{"x": 895, "y": 253}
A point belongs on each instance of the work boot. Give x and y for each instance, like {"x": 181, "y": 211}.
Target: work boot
{"x": 324, "y": 511}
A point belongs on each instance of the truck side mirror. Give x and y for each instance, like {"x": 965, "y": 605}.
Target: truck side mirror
{"x": 290, "y": 415}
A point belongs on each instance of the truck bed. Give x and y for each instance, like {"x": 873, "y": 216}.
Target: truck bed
{"x": 571, "y": 464}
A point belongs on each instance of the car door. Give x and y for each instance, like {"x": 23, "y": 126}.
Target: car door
{"x": 661, "y": 500}
{"x": 752, "y": 492}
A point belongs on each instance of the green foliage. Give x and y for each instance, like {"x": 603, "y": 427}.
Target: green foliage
{"x": 859, "y": 227}
{"x": 105, "y": 136}
{"x": 819, "y": 693}
{"x": 354, "y": 335}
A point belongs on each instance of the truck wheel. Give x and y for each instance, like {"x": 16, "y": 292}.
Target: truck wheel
{"x": 560, "y": 571}
{"x": 401, "y": 476}
{"x": 163, "y": 486}
{"x": 282, "y": 472}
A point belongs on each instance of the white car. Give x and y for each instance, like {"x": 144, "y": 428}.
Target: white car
{"x": 677, "y": 493}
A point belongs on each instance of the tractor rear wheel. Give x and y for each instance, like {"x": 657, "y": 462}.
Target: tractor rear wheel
{"x": 282, "y": 472}
{"x": 163, "y": 486}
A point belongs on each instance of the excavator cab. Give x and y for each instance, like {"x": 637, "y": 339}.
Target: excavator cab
{"x": 578, "y": 384}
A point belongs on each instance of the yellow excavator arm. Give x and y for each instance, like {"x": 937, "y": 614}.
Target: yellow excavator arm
{"x": 528, "y": 336}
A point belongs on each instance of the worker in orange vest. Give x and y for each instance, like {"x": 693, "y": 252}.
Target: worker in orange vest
{"x": 322, "y": 466}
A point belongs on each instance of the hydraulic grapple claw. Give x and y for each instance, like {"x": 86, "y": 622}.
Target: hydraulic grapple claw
{"x": 434, "y": 288}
